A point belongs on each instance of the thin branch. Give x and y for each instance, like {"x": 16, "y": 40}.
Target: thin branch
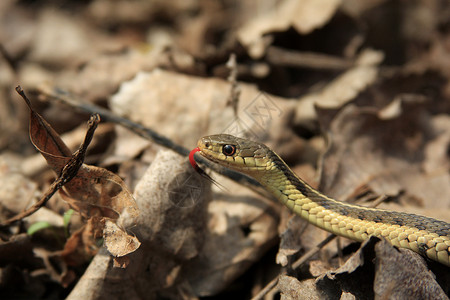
{"x": 282, "y": 57}
{"x": 69, "y": 171}
{"x": 147, "y": 133}
{"x": 235, "y": 91}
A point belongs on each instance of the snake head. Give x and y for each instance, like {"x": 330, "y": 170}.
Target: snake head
{"x": 235, "y": 153}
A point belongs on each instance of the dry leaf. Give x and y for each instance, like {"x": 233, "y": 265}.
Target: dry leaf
{"x": 341, "y": 90}
{"x": 385, "y": 155}
{"x": 16, "y": 191}
{"x": 117, "y": 241}
{"x": 396, "y": 274}
{"x": 171, "y": 227}
{"x": 304, "y": 16}
{"x": 291, "y": 288}
{"x": 98, "y": 192}
{"x": 241, "y": 226}
{"x": 401, "y": 273}
{"x": 73, "y": 47}
{"x": 107, "y": 43}
{"x": 292, "y": 236}
{"x": 200, "y": 105}
{"x": 82, "y": 244}
{"x": 94, "y": 192}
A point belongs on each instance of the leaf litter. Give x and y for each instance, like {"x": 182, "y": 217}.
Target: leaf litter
{"x": 95, "y": 193}
{"x": 354, "y": 96}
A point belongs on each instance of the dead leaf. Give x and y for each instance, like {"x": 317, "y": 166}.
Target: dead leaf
{"x": 74, "y": 47}
{"x": 341, "y": 90}
{"x": 241, "y": 226}
{"x": 121, "y": 262}
{"x": 16, "y": 191}
{"x": 117, "y": 241}
{"x": 304, "y": 16}
{"x": 173, "y": 203}
{"x": 200, "y": 104}
{"x": 401, "y": 273}
{"x": 181, "y": 47}
{"x": 386, "y": 155}
{"x": 82, "y": 244}
{"x": 396, "y": 274}
{"x": 291, "y": 228}
{"x": 94, "y": 192}
{"x": 292, "y": 288}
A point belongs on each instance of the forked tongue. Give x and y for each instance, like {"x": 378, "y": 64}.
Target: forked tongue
{"x": 200, "y": 170}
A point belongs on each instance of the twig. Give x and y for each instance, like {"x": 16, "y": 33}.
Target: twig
{"x": 69, "y": 171}
{"x": 235, "y": 91}
{"x": 147, "y": 133}
{"x": 283, "y": 57}
{"x": 273, "y": 283}
{"x": 65, "y": 98}
{"x": 378, "y": 201}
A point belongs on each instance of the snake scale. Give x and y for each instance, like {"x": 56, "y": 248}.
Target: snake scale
{"x": 426, "y": 236}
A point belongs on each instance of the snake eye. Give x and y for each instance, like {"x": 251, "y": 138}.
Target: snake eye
{"x": 229, "y": 150}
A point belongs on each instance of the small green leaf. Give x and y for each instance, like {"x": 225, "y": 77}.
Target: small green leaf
{"x": 67, "y": 215}
{"x": 38, "y": 226}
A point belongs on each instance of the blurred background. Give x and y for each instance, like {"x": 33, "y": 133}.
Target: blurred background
{"x": 354, "y": 95}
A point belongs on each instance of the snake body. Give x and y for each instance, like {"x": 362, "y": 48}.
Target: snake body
{"x": 426, "y": 236}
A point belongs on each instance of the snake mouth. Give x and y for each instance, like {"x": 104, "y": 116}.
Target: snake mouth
{"x": 203, "y": 146}
{"x": 208, "y": 149}
{"x": 209, "y": 154}
{"x": 204, "y": 143}
{"x": 212, "y": 149}
{"x": 226, "y": 150}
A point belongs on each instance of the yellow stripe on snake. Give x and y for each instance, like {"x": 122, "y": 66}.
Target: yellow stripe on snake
{"x": 426, "y": 236}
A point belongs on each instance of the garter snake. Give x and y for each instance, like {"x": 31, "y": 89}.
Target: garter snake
{"x": 426, "y": 236}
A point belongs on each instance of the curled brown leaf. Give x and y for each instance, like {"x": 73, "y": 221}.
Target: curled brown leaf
{"x": 96, "y": 193}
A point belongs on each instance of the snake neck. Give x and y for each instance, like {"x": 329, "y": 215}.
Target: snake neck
{"x": 326, "y": 212}
{"x": 282, "y": 182}
{"x": 301, "y": 198}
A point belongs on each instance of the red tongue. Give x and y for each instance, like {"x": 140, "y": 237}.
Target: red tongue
{"x": 199, "y": 170}
{"x": 192, "y": 160}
